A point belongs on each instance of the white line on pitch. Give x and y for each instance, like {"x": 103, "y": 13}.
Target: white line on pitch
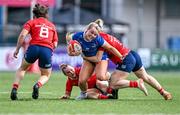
{"x": 82, "y": 114}
{"x": 6, "y": 92}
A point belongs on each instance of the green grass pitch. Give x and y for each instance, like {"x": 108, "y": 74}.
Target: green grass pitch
{"x": 131, "y": 101}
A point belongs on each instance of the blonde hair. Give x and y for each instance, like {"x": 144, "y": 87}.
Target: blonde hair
{"x": 100, "y": 23}
{"x": 91, "y": 25}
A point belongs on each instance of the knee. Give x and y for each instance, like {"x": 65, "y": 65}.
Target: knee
{"x": 82, "y": 81}
{"x": 46, "y": 73}
{"x": 112, "y": 85}
{"x": 20, "y": 73}
{"x": 102, "y": 77}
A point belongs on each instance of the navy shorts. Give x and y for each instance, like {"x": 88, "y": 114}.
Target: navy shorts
{"x": 132, "y": 62}
{"x": 42, "y": 53}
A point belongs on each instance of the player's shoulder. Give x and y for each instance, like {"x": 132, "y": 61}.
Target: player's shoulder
{"x": 29, "y": 21}
{"x": 51, "y": 24}
{"x": 103, "y": 34}
{"x": 77, "y": 68}
{"x": 77, "y": 35}
{"x": 44, "y": 21}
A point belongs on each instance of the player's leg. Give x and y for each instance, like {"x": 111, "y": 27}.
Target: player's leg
{"x": 118, "y": 77}
{"x": 18, "y": 77}
{"x": 86, "y": 71}
{"x": 29, "y": 58}
{"x": 94, "y": 93}
{"x": 140, "y": 72}
{"x": 102, "y": 85}
{"x": 45, "y": 75}
{"x": 101, "y": 69}
{"x": 45, "y": 55}
{"x": 117, "y": 81}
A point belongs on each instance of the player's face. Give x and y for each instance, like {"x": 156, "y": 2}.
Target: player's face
{"x": 69, "y": 71}
{"x": 91, "y": 34}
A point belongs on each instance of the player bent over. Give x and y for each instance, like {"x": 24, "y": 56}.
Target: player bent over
{"x": 130, "y": 63}
{"x": 44, "y": 40}
{"x": 96, "y": 89}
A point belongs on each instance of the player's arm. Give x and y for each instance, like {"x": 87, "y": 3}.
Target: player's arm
{"x": 55, "y": 39}
{"x": 111, "y": 49}
{"x": 20, "y": 41}
{"x": 95, "y": 58}
{"x": 66, "y": 95}
{"x": 68, "y": 90}
{"x": 70, "y": 51}
{"x": 69, "y": 36}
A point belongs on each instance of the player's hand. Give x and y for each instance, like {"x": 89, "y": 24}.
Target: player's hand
{"x": 15, "y": 53}
{"x": 122, "y": 58}
{"x": 64, "y": 97}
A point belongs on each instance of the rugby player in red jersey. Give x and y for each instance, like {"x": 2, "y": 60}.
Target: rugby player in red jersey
{"x": 44, "y": 40}
{"x": 131, "y": 62}
{"x": 96, "y": 88}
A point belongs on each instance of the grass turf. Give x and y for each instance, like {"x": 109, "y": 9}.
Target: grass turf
{"x": 131, "y": 101}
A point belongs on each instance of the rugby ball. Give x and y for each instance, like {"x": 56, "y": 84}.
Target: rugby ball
{"x": 76, "y": 46}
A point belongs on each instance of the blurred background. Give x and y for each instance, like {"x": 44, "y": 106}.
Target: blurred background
{"x": 151, "y": 27}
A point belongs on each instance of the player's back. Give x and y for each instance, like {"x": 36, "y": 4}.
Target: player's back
{"x": 42, "y": 32}
{"x": 116, "y": 44}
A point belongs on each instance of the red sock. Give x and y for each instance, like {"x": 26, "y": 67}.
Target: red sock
{"x": 39, "y": 84}
{"x": 100, "y": 96}
{"x": 15, "y": 86}
{"x": 133, "y": 84}
{"x": 161, "y": 90}
{"x": 109, "y": 90}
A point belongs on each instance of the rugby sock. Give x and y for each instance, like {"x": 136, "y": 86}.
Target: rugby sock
{"x": 42, "y": 81}
{"x": 39, "y": 84}
{"x": 133, "y": 84}
{"x": 100, "y": 96}
{"x": 109, "y": 90}
{"x": 15, "y": 86}
{"x": 161, "y": 90}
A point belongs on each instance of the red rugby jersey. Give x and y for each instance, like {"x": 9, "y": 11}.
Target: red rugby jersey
{"x": 70, "y": 83}
{"x": 116, "y": 44}
{"x": 42, "y": 32}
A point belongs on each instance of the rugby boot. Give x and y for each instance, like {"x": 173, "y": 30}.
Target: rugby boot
{"x": 115, "y": 93}
{"x": 35, "y": 93}
{"x": 14, "y": 94}
{"x": 166, "y": 95}
{"x": 83, "y": 95}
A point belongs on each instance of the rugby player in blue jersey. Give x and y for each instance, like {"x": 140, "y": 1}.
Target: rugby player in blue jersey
{"x": 91, "y": 42}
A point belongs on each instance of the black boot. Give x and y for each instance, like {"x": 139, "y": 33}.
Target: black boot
{"x": 35, "y": 93}
{"x": 14, "y": 94}
{"x": 115, "y": 93}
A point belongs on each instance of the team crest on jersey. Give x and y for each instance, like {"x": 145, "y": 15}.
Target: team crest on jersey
{"x": 123, "y": 66}
{"x": 48, "y": 65}
{"x": 86, "y": 49}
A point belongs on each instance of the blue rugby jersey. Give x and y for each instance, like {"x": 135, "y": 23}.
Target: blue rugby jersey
{"x": 89, "y": 48}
